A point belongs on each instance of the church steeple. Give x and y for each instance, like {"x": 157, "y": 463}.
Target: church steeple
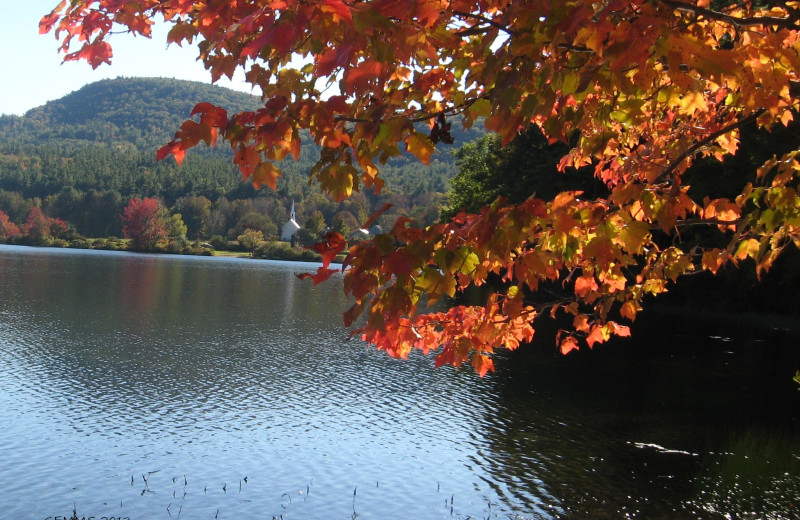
{"x": 291, "y": 225}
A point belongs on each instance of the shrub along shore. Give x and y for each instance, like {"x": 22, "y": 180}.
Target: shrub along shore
{"x": 268, "y": 250}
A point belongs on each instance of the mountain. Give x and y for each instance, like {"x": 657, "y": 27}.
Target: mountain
{"x": 81, "y": 158}
{"x": 138, "y": 115}
{"x": 144, "y": 112}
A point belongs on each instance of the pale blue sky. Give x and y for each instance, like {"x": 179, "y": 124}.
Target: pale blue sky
{"x": 32, "y": 72}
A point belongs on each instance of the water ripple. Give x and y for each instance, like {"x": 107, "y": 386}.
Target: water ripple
{"x": 130, "y": 384}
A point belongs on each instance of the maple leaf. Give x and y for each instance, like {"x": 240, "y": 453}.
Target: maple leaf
{"x": 338, "y": 9}
{"x": 599, "y": 334}
{"x": 47, "y": 22}
{"x": 95, "y": 54}
{"x": 482, "y": 364}
{"x": 420, "y": 146}
{"x": 174, "y": 148}
{"x": 568, "y": 344}
{"x": 266, "y": 173}
{"x": 331, "y": 245}
{"x": 584, "y": 285}
{"x": 628, "y": 310}
{"x": 320, "y": 276}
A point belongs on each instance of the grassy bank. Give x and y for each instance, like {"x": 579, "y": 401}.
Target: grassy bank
{"x": 272, "y": 250}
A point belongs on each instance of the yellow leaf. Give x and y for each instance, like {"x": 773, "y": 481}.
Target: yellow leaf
{"x": 787, "y": 117}
{"x": 748, "y": 248}
{"x": 420, "y": 146}
{"x": 634, "y": 235}
{"x": 693, "y": 101}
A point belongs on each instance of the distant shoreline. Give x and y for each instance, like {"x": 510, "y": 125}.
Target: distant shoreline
{"x": 271, "y": 250}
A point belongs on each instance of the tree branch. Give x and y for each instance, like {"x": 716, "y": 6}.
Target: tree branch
{"x": 708, "y": 139}
{"x": 484, "y": 20}
{"x": 426, "y": 116}
{"x": 786, "y": 23}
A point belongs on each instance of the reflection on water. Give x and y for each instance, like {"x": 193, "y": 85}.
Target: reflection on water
{"x": 153, "y": 387}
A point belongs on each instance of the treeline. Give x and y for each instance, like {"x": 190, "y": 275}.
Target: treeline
{"x": 82, "y": 158}
{"x": 96, "y": 214}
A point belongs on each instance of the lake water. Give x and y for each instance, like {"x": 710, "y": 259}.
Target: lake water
{"x": 162, "y": 387}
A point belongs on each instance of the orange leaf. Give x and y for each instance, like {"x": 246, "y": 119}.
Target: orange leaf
{"x": 598, "y": 335}
{"x": 748, "y": 248}
{"x": 95, "y": 54}
{"x": 482, "y": 364}
{"x": 712, "y": 260}
{"x": 581, "y": 323}
{"x": 622, "y": 331}
{"x": 569, "y": 344}
{"x": 628, "y": 310}
{"x": 584, "y": 285}
{"x": 266, "y": 173}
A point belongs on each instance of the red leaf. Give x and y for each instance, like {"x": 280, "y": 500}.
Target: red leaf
{"x": 265, "y": 173}
{"x": 360, "y": 76}
{"x": 333, "y": 244}
{"x": 399, "y": 262}
{"x": 323, "y": 274}
{"x": 326, "y": 62}
{"x": 211, "y": 115}
{"x": 338, "y": 8}
{"x": 95, "y": 53}
{"x": 175, "y": 148}
{"x": 47, "y": 22}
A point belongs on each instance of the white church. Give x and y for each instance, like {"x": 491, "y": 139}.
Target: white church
{"x": 291, "y": 227}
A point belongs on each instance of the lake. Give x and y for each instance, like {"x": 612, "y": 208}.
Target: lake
{"x": 162, "y": 387}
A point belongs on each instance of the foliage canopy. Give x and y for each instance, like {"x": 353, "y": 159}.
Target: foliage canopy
{"x": 641, "y": 89}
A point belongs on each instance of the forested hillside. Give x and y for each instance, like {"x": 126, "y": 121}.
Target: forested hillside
{"x": 82, "y": 157}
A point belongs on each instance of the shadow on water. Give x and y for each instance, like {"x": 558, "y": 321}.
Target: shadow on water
{"x": 694, "y": 416}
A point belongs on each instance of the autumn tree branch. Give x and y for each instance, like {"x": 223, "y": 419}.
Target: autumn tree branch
{"x": 483, "y": 20}
{"x": 707, "y": 140}
{"x": 787, "y": 23}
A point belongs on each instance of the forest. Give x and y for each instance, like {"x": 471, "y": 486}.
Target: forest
{"x": 82, "y": 158}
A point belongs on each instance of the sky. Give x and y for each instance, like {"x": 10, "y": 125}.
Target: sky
{"x": 33, "y": 73}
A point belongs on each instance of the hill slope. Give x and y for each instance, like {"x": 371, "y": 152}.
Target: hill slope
{"x": 144, "y": 112}
{"x": 82, "y": 157}
{"x": 141, "y": 114}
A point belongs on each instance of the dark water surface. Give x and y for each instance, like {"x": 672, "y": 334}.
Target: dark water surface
{"x": 156, "y": 387}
